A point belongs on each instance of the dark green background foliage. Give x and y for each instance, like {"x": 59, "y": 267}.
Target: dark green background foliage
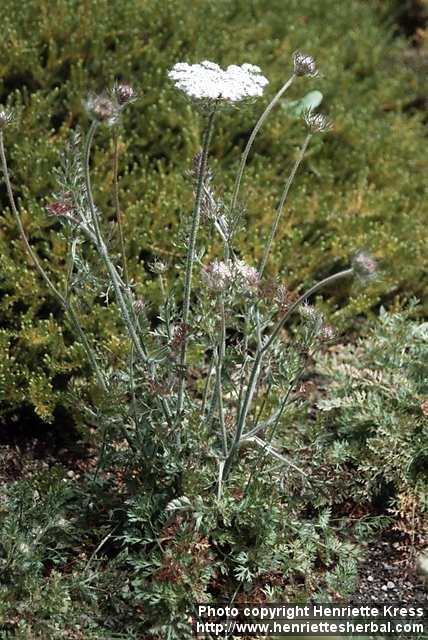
{"x": 360, "y": 186}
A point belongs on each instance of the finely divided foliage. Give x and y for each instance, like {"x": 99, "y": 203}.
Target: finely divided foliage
{"x": 238, "y": 298}
{"x": 197, "y": 402}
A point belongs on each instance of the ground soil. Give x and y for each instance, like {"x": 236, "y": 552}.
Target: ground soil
{"x": 389, "y": 573}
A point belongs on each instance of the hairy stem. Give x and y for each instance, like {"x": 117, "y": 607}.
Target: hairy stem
{"x": 64, "y": 302}
{"x": 191, "y": 257}
{"x": 252, "y": 137}
{"x": 282, "y": 203}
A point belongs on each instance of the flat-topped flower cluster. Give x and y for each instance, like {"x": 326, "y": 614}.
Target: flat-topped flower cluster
{"x": 208, "y": 81}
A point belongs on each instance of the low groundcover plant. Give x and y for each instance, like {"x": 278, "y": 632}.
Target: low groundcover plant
{"x": 197, "y": 408}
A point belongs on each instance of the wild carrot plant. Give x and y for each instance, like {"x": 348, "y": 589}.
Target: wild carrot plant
{"x": 232, "y": 330}
{"x": 212, "y": 383}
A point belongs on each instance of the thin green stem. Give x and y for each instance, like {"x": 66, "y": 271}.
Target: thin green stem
{"x": 307, "y": 294}
{"x": 102, "y": 249}
{"x": 261, "y": 456}
{"x": 221, "y": 357}
{"x": 128, "y": 317}
{"x": 254, "y": 375}
{"x": 206, "y": 389}
{"x": 253, "y": 135}
{"x": 117, "y": 207}
{"x": 282, "y": 203}
{"x": 191, "y": 258}
{"x": 63, "y": 301}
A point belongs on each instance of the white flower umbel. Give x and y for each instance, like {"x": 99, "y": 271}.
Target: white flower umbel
{"x": 217, "y": 275}
{"x": 250, "y": 277}
{"x": 208, "y": 82}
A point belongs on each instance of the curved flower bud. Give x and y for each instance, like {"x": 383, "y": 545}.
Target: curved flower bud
{"x": 6, "y": 118}
{"x": 316, "y": 122}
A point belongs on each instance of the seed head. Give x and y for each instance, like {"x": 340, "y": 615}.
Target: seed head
{"x": 6, "y": 118}
{"x": 103, "y": 108}
{"x": 316, "y": 122}
{"x": 364, "y": 266}
{"x": 304, "y": 65}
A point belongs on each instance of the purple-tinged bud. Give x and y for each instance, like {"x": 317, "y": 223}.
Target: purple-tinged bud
{"x": 60, "y": 207}
{"x": 250, "y": 277}
{"x": 304, "y": 65}
{"x": 124, "y": 94}
{"x": 327, "y": 333}
{"x": 364, "y": 266}
{"x": 308, "y": 312}
{"x": 217, "y": 275}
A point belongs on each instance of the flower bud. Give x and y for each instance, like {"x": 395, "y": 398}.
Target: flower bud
{"x": 158, "y": 266}
{"x": 316, "y": 122}
{"x": 364, "y": 266}
{"x": 6, "y": 118}
{"x": 103, "y": 108}
{"x": 217, "y": 275}
{"x": 124, "y": 94}
{"x": 304, "y": 65}
{"x": 139, "y": 305}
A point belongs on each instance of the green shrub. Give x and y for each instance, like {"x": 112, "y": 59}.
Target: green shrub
{"x": 375, "y": 412}
{"x": 364, "y": 189}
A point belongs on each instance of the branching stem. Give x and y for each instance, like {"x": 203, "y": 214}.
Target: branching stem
{"x": 64, "y": 302}
{"x": 261, "y": 351}
{"x": 191, "y": 257}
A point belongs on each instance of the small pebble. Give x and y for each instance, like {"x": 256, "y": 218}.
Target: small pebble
{"x": 370, "y": 578}
{"x": 390, "y": 585}
{"x": 384, "y": 587}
